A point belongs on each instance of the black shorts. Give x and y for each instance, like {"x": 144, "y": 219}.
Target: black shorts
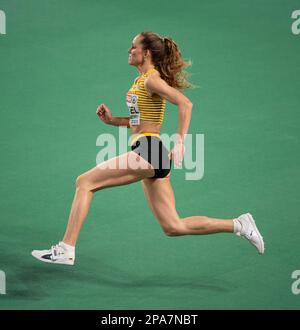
{"x": 154, "y": 152}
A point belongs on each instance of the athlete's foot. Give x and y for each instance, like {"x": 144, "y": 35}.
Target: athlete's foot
{"x": 58, "y": 254}
{"x": 245, "y": 227}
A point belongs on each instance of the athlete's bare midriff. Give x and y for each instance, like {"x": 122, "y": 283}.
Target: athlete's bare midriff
{"x": 146, "y": 127}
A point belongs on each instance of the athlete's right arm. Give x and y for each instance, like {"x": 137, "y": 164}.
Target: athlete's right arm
{"x": 105, "y": 115}
{"x": 120, "y": 121}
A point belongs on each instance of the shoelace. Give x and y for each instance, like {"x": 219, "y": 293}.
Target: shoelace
{"x": 243, "y": 232}
{"x": 56, "y": 251}
{"x": 248, "y": 236}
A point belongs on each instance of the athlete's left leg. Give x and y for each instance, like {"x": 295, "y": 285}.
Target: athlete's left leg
{"x": 161, "y": 200}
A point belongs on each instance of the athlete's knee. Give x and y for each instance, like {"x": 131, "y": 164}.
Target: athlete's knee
{"x": 82, "y": 182}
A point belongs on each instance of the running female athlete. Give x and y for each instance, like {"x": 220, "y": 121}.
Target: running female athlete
{"x": 161, "y": 77}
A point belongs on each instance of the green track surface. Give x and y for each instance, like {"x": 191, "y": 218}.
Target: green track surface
{"x": 58, "y": 61}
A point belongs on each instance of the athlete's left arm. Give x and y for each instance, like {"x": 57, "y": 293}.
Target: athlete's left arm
{"x": 155, "y": 85}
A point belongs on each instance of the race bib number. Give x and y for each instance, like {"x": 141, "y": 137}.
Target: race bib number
{"x": 132, "y": 103}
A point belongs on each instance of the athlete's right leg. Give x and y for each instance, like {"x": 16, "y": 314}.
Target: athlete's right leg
{"x": 120, "y": 170}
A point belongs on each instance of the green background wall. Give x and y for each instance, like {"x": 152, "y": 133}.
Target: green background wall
{"x": 58, "y": 61}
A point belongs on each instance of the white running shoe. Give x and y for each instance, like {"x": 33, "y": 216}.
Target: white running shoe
{"x": 250, "y": 232}
{"x": 58, "y": 254}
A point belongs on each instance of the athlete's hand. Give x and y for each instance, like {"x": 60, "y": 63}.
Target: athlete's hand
{"x": 104, "y": 114}
{"x": 177, "y": 153}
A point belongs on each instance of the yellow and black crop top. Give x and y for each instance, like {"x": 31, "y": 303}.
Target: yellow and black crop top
{"x": 141, "y": 105}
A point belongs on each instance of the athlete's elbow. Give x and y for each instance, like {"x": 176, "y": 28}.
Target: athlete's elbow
{"x": 187, "y": 105}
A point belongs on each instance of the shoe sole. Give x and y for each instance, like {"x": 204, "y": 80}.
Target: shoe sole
{"x": 261, "y": 240}
{"x": 70, "y": 263}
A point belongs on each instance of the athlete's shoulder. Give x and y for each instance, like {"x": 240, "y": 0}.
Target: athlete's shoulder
{"x": 153, "y": 76}
{"x": 156, "y": 85}
{"x": 152, "y": 80}
{"x": 152, "y": 73}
